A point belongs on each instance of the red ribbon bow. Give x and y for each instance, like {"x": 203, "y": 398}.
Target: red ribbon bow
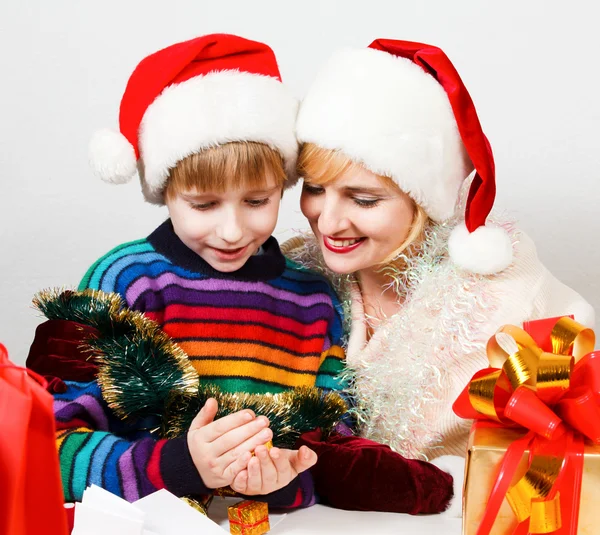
{"x": 545, "y": 378}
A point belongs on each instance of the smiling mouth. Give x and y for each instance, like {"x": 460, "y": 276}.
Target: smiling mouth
{"x": 230, "y": 254}
{"x": 342, "y": 245}
{"x": 238, "y": 249}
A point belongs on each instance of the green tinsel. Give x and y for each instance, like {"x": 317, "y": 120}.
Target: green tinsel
{"x": 96, "y": 309}
{"x": 139, "y": 365}
{"x": 290, "y": 413}
{"x": 143, "y": 373}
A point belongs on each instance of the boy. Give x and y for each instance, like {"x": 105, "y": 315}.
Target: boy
{"x": 212, "y": 128}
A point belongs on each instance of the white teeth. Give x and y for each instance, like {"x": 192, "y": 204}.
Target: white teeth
{"x": 342, "y": 243}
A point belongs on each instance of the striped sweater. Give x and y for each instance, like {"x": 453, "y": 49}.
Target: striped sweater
{"x": 267, "y": 327}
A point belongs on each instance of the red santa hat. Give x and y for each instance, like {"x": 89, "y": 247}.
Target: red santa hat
{"x": 401, "y": 109}
{"x": 194, "y": 95}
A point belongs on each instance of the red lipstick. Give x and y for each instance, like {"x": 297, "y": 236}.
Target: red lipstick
{"x": 342, "y": 249}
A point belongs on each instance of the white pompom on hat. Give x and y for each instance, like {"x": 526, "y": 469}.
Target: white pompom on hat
{"x": 198, "y": 94}
{"x": 401, "y": 109}
{"x": 112, "y": 156}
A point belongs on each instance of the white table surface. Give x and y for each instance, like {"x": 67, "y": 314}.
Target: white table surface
{"x": 320, "y": 519}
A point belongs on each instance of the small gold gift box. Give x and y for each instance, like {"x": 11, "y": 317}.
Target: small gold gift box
{"x": 249, "y": 518}
{"x": 486, "y": 450}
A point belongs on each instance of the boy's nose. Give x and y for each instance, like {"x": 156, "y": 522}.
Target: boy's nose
{"x": 230, "y": 230}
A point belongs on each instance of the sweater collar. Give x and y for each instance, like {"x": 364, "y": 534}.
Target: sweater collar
{"x": 266, "y": 266}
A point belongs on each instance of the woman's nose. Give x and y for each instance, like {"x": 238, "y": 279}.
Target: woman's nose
{"x": 332, "y": 218}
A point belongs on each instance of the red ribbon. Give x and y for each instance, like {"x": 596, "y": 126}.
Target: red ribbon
{"x": 246, "y": 525}
{"x": 557, "y": 419}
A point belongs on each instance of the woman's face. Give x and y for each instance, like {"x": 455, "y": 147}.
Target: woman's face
{"x": 358, "y": 220}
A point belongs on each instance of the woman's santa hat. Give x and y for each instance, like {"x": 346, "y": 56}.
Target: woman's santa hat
{"x": 191, "y": 96}
{"x": 401, "y": 109}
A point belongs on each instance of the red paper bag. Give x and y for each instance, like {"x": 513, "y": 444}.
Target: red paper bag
{"x": 31, "y": 497}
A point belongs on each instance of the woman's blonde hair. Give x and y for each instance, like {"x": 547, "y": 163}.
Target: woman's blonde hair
{"x": 322, "y": 166}
{"x": 232, "y": 165}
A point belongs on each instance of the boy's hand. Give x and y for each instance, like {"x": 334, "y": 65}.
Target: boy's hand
{"x": 273, "y": 469}
{"x": 221, "y": 449}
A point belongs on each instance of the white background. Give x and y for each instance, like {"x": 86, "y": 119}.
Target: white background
{"x": 531, "y": 67}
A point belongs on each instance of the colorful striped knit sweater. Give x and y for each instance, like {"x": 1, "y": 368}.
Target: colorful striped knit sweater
{"x": 268, "y": 327}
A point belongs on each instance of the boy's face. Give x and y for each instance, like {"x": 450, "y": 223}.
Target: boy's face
{"x": 225, "y": 229}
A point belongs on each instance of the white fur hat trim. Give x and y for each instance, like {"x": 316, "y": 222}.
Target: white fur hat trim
{"x": 390, "y": 115}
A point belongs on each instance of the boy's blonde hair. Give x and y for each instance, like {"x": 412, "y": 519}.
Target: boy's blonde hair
{"x": 322, "y": 166}
{"x": 232, "y": 165}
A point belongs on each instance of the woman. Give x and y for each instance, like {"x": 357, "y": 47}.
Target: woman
{"x": 389, "y": 138}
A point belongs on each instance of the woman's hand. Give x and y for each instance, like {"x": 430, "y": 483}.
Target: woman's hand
{"x": 221, "y": 449}
{"x": 271, "y": 470}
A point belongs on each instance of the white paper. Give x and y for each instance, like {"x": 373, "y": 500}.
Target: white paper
{"x": 167, "y": 514}
{"x": 91, "y": 521}
{"x": 99, "y": 498}
{"x": 103, "y": 513}
{"x": 159, "y": 513}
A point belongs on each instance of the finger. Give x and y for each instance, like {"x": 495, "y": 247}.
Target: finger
{"x": 302, "y": 459}
{"x": 206, "y": 414}
{"x": 227, "y": 423}
{"x": 236, "y": 467}
{"x": 254, "y": 484}
{"x": 268, "y": 469}
{"x": 281, "y": 460}
{"x": 230, "y": 460}
{"x": 240, "y": 483}
{"x": 243, "y": 438}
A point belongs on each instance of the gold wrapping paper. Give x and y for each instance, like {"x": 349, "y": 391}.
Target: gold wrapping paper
{"x": 268, "y": 445}
{"x": 486, "y": 449}
{"x": 249, "y": 518}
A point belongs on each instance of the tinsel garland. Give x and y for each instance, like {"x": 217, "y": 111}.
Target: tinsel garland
{"x": 139, "y": 366}
{"x": 143, "y": 373}
{"x": 290, "y": 413}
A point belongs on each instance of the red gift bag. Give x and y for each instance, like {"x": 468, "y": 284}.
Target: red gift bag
{"x": 31, "y": 497}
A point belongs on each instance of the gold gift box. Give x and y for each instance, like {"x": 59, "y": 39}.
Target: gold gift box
{"x": 269, "y": 445}
{"x": 486, "y": 450}
{"x": 249, "y": 518}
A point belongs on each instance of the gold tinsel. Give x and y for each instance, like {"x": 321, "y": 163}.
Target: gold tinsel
{"x": 109, "y": 315}
{"x": 289, "y": 412}
{"x": 142, "y": 372}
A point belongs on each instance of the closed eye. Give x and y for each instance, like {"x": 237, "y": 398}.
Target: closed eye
{"x": 255, "y": 203}
{"x": 311, "y": 189}
{"x": 202, "y": 207}
{"x": 366, "y": 203}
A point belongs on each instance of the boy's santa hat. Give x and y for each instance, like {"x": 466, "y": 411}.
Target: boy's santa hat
{"x": 401, "y": 109}
{"x": 194, "y": 95}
